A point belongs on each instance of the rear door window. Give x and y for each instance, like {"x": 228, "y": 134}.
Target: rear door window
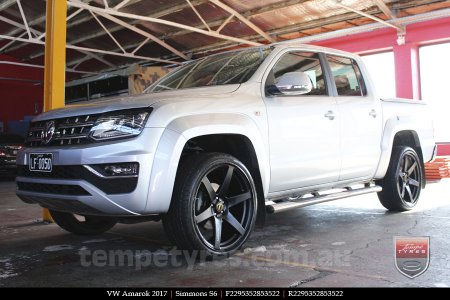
{"x": 347, "y": 76}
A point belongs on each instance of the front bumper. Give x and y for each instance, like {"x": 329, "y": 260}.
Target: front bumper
{"x": 73, "y": 188}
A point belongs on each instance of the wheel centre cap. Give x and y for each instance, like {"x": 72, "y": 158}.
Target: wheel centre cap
{"x": 220, "y": 206}
{"x": 405, "y": 177}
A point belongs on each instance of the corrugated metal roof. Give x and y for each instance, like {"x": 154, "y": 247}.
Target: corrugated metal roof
{"x": 281, "y": 19}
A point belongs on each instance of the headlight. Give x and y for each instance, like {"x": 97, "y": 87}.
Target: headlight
{"x": 120, "y": 124}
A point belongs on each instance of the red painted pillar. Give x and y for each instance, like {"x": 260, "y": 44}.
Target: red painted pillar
{"x": 407, "y": 77}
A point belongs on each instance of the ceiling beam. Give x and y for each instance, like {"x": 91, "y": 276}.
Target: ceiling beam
{"x": 20, "y": 26}
{"x": 6, "y": 4}
{"x": 37, "y": 21}
{"x": 160, "y": 21}
{"x": 169, "y": 10}
{"x": 287, "y": 29}
{"x": 140, "y": 45}
{"x": 129, "y": 47}
{"x": 278, "y": 31}
{"x": 225, "y": 23}
{"x": 385, "y": 9}
{"x": 11, "y": 42}
{"x": 121, "y": 4}
{"x": 364, "y": 14}
{"x": 216, "y": 23}
{"x": 41, "y": 19}
{"x": 155, "y": 14}
{"x": 106, "y": 30}
{"x": 85, "y": 49}
{"x": 198, "y": 15}
{"x": 24, "y": 19}
{"x": 248, "y": 15}
{"x": 301, "y": 26}
{"x": 37, "y": 32}
{"x": 42, "y": 67}
{"x": 242, "y": 19}
{"x": 145, "y": 34}
{"x": 76, "y": 63}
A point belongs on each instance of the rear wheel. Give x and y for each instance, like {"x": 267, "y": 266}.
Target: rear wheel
{"x": 213, "y": 207}
{"x": 403, "y": 180}
{"x": 82, "y": 225}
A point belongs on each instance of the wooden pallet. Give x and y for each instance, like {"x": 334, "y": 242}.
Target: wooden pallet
{"x": 438, "y": 169}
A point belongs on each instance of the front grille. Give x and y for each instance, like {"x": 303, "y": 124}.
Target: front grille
{"x": 58, "y": 189}
{"x": 107, "y": 185}
{"x": 58, "y": 172}
{"x": 68, "y": 131}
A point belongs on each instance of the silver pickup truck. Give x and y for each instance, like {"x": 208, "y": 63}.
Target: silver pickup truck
{"x": 221, "y": 141}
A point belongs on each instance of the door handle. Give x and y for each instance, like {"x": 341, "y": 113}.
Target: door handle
{"x": 373, "y": 113}
{"x": 330, "y": 115}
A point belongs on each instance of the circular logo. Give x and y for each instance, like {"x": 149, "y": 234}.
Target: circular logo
{"x": 48, "y": 132}
{"x": 220, "y": 207}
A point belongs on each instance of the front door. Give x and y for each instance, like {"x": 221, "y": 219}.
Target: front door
{"x": 303, "y": 130}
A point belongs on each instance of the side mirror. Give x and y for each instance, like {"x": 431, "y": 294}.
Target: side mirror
{"x": 294, "y": 84}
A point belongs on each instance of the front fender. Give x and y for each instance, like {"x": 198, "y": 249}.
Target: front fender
{"x": 173, "y": 140}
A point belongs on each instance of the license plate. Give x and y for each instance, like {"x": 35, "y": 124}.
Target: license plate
{"x": 41, "y": 162}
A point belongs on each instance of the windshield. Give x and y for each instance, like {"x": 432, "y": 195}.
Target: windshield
{"x": 227, "y": 68}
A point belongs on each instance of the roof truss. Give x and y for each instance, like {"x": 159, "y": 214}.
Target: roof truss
{"x": 113, "y": 16}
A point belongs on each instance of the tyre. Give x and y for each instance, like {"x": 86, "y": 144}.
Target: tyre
{"x": 82, "y": 225}
{"x": 403, "y": 180}
{"x": 213, "y": 206}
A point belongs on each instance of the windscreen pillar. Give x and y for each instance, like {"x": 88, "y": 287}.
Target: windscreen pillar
{"x": 407, "y": 77}
{"x": 55, "y": 60}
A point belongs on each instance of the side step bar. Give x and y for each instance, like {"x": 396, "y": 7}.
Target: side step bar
{"x": 272, "y": 207}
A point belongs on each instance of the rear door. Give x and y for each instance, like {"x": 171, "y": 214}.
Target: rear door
{"x": 360, "y": 119}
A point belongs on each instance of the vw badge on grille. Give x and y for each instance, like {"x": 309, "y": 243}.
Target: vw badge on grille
{"x": 48, "y": 132}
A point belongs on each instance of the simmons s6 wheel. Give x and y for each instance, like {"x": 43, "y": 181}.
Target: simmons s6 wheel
{"x": 213, "y": 207}
{"x": 403, "y": 180}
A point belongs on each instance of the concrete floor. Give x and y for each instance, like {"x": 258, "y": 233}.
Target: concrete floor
{"x": 347, "y": 243}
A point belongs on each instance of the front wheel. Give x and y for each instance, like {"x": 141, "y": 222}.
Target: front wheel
{"x": 82, "y": 225}
{"x": 403, "y": 180}
{"x": 213, "y": 207}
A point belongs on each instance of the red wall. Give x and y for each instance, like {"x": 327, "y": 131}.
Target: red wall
{"x": 418, "y": 33}
{"x": 406, "y": 56}
{"x": 443, "y": 149}
{"x": 17, "y": 98}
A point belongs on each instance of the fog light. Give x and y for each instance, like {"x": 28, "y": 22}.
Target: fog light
{"x": 115, "y": 170}
{"x": 121, "y": 170}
